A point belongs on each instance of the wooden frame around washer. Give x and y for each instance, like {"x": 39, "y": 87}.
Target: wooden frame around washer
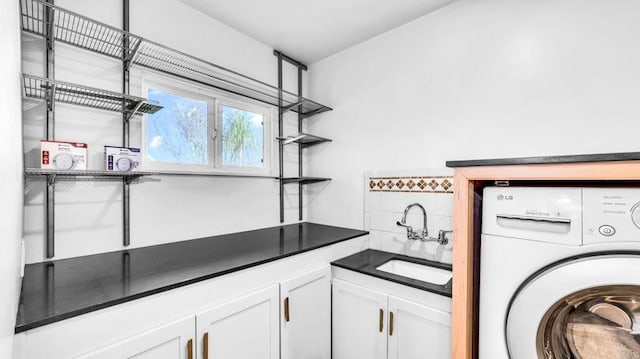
{"x": 464, "y": 310}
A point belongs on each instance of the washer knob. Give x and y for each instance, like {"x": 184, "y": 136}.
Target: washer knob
{"x": 607, "y": 230}
{"x": 635, "y": 214}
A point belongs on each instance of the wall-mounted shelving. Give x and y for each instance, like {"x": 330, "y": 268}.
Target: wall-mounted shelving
{"x": 45, "y": 89}
{"x": 303, "y": 140}
{"x": 52, "y": 91}
{"x": 56, "y": 24}
{"x": 68, "y": 27}
{"x": 88, "y": 174}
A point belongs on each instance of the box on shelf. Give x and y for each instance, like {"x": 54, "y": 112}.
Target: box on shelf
{"x": 60, "y": 155}
{"x": 122, "y": 159}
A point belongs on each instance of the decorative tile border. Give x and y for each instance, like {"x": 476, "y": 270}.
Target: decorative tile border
{"x": 418, "y": 184}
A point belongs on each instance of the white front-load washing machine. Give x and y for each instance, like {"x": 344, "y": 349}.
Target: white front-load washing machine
{"x": 560, "y": 273}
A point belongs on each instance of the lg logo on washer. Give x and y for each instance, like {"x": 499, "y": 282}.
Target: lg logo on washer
{"x": 502, "y": 197}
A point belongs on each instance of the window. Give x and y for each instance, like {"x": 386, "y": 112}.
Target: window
{"x": 242, "y": 142}
{"x": 204, "y": 131}
{"x": 178, "y": 133}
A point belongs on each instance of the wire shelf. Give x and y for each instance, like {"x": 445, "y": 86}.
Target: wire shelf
{"x": 32, "y": 172}
{"x": 41, "y": 18}
{"x": 304, "y": 140}
{"x": 41, "y": 88}
{"x": 304, "y": 180}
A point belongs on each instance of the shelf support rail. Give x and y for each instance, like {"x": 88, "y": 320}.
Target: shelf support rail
{"x": 282, "y": 141}
{"x": 280, "y": 134}
{"x": 290, "y": 60}
{"x": 49, "y": 200}
{"x": 50, "y": 216}
{"x": 127, "y": 56}
{"x": 300, "y": 118}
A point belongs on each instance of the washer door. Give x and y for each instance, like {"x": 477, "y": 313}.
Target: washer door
{"x": 583, "y": 308}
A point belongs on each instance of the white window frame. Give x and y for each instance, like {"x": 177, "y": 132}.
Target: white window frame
{"x": 216, "y": 99}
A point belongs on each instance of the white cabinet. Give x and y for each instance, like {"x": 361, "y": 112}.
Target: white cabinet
{"x": 245, "y": 328}
{"x": 372, "y": 324}
{"x": 251, "y": 327}
{"x": 171, "y": 341}
{"x": 306, "y": 315}
{"x": 358, "y": 322}
{"x": 243, "y": 318}
{"x": 419, "y": 332}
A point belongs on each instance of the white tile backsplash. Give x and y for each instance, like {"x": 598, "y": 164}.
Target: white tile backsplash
{"x": 375, "y": 239}
{"x": 393, "y": 242}
{"x": 383, "y": 209}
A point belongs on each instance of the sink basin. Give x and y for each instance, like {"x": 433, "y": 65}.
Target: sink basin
{"x": 416, "y": 271}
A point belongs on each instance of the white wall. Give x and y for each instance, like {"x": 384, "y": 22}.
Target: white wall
{"x": 476, "y": 79}
{"x": 163, "y": 209}
{"x": 11, "y": 175}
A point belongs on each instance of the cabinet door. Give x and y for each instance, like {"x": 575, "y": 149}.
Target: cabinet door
{"x": 171, "y": 341}
{"x": 245, "y": 328}
{"x": 359, "y": 322}
{"x": 306, "y": 316}
{"x": 419, "y": 332}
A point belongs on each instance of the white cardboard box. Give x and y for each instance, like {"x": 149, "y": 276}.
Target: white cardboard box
{"x": 61, "y": 155}
{"x": 123, "y": 159}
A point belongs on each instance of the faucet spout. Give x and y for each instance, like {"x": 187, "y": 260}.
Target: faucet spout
{"x": 413, "y": 235}
{"x": 423, "y": 233}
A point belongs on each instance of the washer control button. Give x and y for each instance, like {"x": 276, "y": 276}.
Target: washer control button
{"x": 607, "y": 230}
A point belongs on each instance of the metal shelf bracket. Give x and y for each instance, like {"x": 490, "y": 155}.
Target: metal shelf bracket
{"x": 51, "y": 179}
{"x": 291, "y": 107}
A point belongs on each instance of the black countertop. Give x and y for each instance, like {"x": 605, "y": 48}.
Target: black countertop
{"x": 365, "y": 262}
{"x": 62, "y": 289}
{"x": 600, "y": 157}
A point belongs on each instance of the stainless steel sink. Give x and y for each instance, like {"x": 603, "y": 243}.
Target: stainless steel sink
{"x": 416, "y": 271}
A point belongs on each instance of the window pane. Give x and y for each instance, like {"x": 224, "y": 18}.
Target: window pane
{"x": 178, "y": 132}
{"x": 242, "y": 138}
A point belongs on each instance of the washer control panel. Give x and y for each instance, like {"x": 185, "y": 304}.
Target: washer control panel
{"x": 610, "y": 215}
{"x": 543, "y": 214}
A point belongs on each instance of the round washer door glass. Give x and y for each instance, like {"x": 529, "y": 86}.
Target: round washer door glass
{"x": 583, "y": 309}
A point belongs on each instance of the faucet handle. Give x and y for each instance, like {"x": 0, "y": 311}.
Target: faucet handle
{"x": 410, "y": 232}
{"x": 442, "y": 236}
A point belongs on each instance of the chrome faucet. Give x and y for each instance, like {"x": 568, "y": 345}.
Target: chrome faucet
{"x": 411, "y": 234}
{"x": 422, "y": 234}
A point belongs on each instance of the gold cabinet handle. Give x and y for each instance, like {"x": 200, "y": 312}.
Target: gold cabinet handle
{"x": 286, "y": 309}
{"x": 390, "y": 324}
{"x": 381, "y": 325}
{"x": 190, "y": 349}
{"x": 205, "y": 346}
